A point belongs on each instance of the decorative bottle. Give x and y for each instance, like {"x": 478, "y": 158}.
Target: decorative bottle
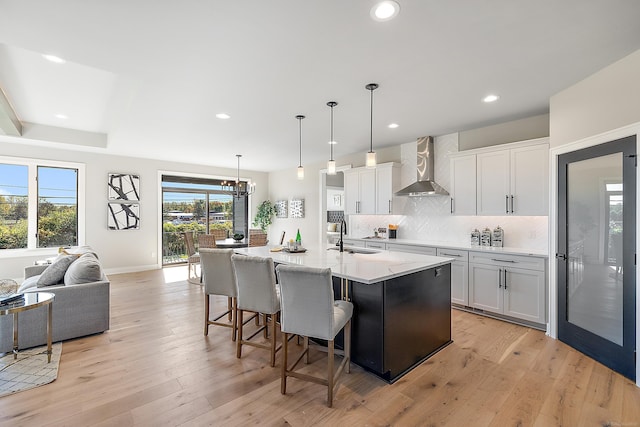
{"x": 298, "y": 238}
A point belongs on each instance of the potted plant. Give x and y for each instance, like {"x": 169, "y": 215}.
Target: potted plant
{"x": 265, "y": 213}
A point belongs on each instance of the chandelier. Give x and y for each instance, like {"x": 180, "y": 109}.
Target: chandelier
{"x": 238, "y": 188}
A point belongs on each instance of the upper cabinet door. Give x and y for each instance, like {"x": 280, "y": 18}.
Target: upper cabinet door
{"x": 351, "y": 192}
{"x": 463, "y": 185}
{"x": 387, "y": 180}
{"x": 530, "y": 180}
{"x": 493, "y": 183}
{"x": 367, "y": 191}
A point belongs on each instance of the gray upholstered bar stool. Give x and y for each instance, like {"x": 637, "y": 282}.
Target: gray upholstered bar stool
{"x": 257, "y": 293}
{"x": 219, "y": 279}
{"x": 309, "y": 310}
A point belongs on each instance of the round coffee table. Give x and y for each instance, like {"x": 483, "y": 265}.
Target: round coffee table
{"x": 30, "y": 301}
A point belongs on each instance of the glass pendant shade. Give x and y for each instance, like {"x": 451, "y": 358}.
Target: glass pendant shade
{"x": 331, "y": 167}
{"x": 371, "y": 160}
{"x": 300, "y": 172}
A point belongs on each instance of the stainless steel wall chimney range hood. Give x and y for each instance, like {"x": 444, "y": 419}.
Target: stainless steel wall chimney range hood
{"x": 425, "y": 186}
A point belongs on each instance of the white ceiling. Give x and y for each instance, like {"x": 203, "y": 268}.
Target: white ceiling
{"x": 152, "y": 74}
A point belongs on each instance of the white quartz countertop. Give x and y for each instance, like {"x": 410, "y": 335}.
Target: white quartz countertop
{"x": 365, "y": 268}
{"x": 462, "y": 246}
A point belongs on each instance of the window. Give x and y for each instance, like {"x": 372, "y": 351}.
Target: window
{"x": 40, "y": 203}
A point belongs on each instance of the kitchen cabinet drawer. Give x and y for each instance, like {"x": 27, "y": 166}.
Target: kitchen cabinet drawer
{"x": 518, "y": 261}
{"x": 415, "y": 249}
{"x": 375, "y": 245}
{"x": 458, "y": 254}
{"x": 351, "y": 242}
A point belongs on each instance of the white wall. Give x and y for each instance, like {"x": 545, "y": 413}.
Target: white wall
{"x": 609, "y": 99}
{"x": 119, "y": 251}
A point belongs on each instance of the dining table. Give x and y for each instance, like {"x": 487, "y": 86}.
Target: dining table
{"x": 232, "y": 243}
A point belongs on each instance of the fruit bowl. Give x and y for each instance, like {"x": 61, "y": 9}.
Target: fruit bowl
{"x": 238, "y": 236}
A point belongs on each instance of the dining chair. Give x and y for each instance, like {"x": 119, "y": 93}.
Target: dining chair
{"x": 308, "y": 309}
{"x": 257, "y": 238}
{"x": 219, "y": 279}
{"x": 257, "y": 293}
{"x": 193, "y": 258}
{"x": 219, "y": 234}
{"x": 206, "y": 241}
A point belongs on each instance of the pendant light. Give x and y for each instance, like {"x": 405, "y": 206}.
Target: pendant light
{"x": 371, "y": 155}
{"x": 300, "y": 168}
{"x": 331, "y": 164}
{"x": 249, "y": 187}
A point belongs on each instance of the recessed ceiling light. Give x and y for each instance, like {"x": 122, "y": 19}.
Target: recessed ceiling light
{"x": 62, "y": 116}
{"x": 490, "y": 98}
{"x": 385, "y": 10}
{"x": 223, "y": 116}
{"x": 54, "y": 58}
{"x": 393, "y": 125}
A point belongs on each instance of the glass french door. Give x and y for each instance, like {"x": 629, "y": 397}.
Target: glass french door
{"x": 596, "y": 252}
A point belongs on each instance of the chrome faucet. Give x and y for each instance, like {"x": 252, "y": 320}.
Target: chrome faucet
{"x": 343, "y": 230}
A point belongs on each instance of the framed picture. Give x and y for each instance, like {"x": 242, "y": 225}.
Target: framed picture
{"x": 123, "y": 216}
{"x": 337, "y": 200}
{"x": 296, "y": 208}
{"x": 281, "y": 209}
{"x": 123, "y": 186}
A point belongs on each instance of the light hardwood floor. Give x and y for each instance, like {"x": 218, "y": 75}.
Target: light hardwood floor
{"x": 155, "y": 367}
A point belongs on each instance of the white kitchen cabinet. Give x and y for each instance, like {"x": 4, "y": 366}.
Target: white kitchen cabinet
{"x": 375, "y": 245}
{"x": 509, "y": 285}
{"x": 414, "y": 249}
{"x": 459, "y": 274}
{"x": 371, "y": 191}
{"x": 353, "y": 242}
{"x": 387, "y": 183}
{"x": 463, "y": 185}
{"x": 513, "y": 181}
{"x": 360, "y": 191}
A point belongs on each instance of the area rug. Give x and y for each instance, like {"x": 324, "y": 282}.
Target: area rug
{"x": 29, "y": 370}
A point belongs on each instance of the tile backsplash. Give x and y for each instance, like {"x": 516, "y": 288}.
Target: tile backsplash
{"x": 429, "y": 218}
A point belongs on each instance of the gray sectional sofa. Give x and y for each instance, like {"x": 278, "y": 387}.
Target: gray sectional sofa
{"x": 81, "y": 305}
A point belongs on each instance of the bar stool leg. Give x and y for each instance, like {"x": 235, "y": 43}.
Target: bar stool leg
{"x": 330, "y": 373}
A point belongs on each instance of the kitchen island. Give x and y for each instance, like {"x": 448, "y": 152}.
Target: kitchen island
{"x": 402, "y": 302}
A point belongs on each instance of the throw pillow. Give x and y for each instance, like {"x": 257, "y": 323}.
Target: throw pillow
{"x": 29, "y": 282}
{"x": 85, "y": 269}
{"x": 53, "y": 274}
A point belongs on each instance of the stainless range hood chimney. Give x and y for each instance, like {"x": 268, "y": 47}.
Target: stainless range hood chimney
{"x": 425, "y": 186}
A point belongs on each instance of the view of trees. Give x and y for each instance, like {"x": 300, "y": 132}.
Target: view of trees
{"x": 173, "y": 241}
{"x": 57, "y": 224}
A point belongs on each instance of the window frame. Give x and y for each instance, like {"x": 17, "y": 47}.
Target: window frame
{"x": 32, "y": 202}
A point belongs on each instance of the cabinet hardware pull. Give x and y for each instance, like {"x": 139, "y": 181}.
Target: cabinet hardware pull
{"x": 504, "y": 260}
{"x": 389, "y": 206}
{"x": 561, "y": 256}
{"x": 452, "y": 205}
{"x": 506, "y": 203}
{"x": 505, "y": 279}
{"x": 499, "y": 278}
{"x": 445, "y": 254}
{"x": 512, "y": 203}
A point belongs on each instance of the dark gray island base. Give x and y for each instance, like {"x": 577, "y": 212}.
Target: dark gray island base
{"x": 398, "y": 323}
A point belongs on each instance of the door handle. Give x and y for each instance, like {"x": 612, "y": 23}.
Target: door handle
{"x": 499, "y": 278}
{"x": 561, "y": 256}
{"x": 512, "y": 203}
{"x": 506, "y": 203}
{"x": 505, "y": 279}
